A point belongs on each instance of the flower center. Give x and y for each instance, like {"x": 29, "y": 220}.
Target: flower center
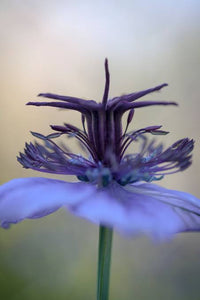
{"x": 104, "y": 132}
{"x": 106, "y": 143}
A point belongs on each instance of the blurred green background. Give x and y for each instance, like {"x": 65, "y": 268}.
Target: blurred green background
{"x": 60, "y": 47}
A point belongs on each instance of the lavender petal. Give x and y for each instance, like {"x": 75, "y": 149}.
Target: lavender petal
{"x": 37, "y": 197}
{"x": 142, "y": 208}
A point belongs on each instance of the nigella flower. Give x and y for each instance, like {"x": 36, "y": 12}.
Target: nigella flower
{"x": 114, "y": 188}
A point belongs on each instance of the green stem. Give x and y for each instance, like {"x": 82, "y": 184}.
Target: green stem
{"x": 104, "y": 259}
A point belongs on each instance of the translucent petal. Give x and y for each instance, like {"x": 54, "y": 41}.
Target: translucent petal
{"x": 133, "y": 209}
{"x": 142, "y": 208}
{"x": 36, "y": 197}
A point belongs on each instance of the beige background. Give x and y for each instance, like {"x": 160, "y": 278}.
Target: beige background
{"x": 60, "y": 46}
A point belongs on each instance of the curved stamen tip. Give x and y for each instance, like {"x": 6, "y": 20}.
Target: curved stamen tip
{"x": 107, "y": 83}
{"x": 163, "y": 85}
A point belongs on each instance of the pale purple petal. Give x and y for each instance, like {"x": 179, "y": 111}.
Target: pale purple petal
{"x": 142, "y": 208}
{"x": 36, "y": 197}
{"x": 133, "y": 209}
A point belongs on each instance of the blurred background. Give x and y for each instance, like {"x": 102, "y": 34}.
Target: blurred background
{"x": 60, "y": 47}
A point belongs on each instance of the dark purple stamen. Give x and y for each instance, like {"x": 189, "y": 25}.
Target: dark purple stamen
{"x": 105, "y": 142}
{"x": 107, "y": 84}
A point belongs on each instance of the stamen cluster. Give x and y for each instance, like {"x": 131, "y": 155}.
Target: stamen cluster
{"x": 106, "y": 143}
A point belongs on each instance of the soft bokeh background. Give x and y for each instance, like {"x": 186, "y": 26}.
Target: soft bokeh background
{"x": 60, "y": 46}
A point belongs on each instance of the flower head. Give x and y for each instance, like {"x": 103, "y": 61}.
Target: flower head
{"x": 114, "y": 187}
